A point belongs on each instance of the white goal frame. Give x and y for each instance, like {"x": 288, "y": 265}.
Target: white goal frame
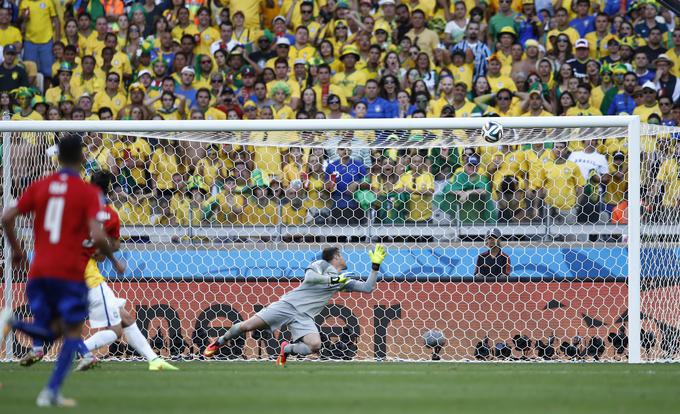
{"x": 632, "y": 123}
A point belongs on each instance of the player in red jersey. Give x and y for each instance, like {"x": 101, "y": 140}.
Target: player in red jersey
{"x": 67, "y": 211}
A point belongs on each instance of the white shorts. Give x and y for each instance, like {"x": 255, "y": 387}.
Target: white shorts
{"x": 104, "y": 306}
{"x": 283, "y": 313}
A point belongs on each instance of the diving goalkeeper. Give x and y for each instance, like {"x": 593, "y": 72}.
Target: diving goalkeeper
{"x": 298, "y": 307}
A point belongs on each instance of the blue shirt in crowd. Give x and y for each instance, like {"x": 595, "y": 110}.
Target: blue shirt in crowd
{"x": 622, "y": 103}
{"x": 352, "y": 172}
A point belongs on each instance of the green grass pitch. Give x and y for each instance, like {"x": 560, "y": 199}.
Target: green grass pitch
{"x": 328, "y": 388}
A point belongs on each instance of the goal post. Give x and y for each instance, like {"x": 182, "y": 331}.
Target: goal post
{"x": 575, "y": 283}
{"x": 634, "y": 245}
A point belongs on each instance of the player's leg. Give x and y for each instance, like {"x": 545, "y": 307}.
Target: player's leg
{"x": 271, "y": 317}
{"x": 41, "y": 330}
{"x": 50, "y": 395}
{"x": 38, "y": 296}
{"x": 71, "y": 304}
{"x": 254, "y": 323}
{"x": 140, "y": 344}
{"x": 35, "y": 355}
{"x": 310, "y": 344}
{"x": 104, "y": 315}
{"x": 306, "y": 339}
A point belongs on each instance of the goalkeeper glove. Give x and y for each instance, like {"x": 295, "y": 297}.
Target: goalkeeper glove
{"x": 340, "y": 279}
{"x": 377, "y": 256}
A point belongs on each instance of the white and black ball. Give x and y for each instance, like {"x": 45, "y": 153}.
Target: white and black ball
{"x": 434, "y": 338}
{"x": 492, "y": 132}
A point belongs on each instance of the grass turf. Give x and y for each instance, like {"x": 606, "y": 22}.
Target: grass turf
{"x": 308, "y": 387}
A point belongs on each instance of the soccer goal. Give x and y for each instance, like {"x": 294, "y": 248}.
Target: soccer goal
{"x": 558, "y": 242}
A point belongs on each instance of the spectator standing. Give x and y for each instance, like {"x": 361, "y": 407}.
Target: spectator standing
{"x": 88, "y": 79}
{"x": 186, "y": 86}
{"x": 505, "y": 17}
{"x": 536, "y": 104}
{"x": 623, "y": 102}
{"x": 351, "y": 80}
{"x": 674, "y": 53}
{"x": 12, "y": 76}
{"x": 583, "y": 22}
{"x": 282, "y": 70}
{"x": 507, "y": 37}
{"x": 226, "y": 206}
{"x": 530, "y": 24}
{"x": 493, "y": 265}
{"x": 665, "y": 81}
{"x": 613, "y": 51}
{"x": 164, "y": 164}
{"x": 23, "y": 96}
{"x": 617, "y": 187}
{"x": 419, "y": 183}
{"x": 455, "y": 27}
{"x": 324, "y": 88}
{"x": 595, "y": 171}
{"x": 9, "y": 35}
{"x": 645, "y": 27}
{"x": 650, "y": 104}
{"x": 426, "y": 39}
{"x": 562, "y": 21}
{"x": 667, "y": 185}
{"x": 302, "y": 48}
{"x": 343, "y": 178}
{"x": 641, "y": 68}
{"x": 600, "y": 37}
{"x": 264, "y": 50}
{"x": 654, "y": 46}
{"x": 580, "y": 60}
{"x": 202, "y": 103}
{"x": 41, "y": 28}
{"x": 376, "y": 107}
{"x": 469, "y": 194}
{"x": 474, "y": 49}
{"x": 583, "y": 107}
{"x": 403, "y": 21}
{"x": 62, "y": 90}
{"x": 560, "y": 183}
{"x": 495, "y": 76}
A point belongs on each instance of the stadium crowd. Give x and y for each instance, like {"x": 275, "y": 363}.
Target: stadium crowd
{"x": 298, "y": 59}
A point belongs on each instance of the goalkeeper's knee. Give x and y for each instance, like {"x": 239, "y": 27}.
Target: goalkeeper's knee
{"x": 314, "y": 345}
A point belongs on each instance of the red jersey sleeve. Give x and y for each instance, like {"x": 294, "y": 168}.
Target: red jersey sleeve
{"x": 94, "y": 206}
{"x": 112, "y": 225}
{"x": 26, "y": 202}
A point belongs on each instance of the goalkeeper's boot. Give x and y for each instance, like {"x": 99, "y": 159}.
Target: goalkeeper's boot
{"x": 31, "y": 358}
{"x": 212, "y": 349}
{"x": 159, "y": 364}
{"x": 47, "y": 398}
{"x": 87, "y": 362}
{"x": 281, "y": 360}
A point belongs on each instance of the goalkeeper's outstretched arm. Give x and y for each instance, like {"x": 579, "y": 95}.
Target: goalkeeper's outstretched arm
{"x": 377, "y": 256}
{"x": 363, "y": 286}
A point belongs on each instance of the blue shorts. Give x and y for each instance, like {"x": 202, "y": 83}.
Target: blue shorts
{"x": 51, "y": 299}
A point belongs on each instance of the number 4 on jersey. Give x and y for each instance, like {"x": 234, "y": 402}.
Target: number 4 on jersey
{"x": 53, "y": 216}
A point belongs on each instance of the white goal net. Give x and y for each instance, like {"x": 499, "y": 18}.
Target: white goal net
{"x": 525, "y": 249}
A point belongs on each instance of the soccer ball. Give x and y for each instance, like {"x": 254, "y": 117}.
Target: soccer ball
{"x": 434, "y": 338}
{"x": 492, "y": 132}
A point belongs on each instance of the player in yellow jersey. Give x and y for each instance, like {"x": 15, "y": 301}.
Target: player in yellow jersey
{"x": 106, "y": 311}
